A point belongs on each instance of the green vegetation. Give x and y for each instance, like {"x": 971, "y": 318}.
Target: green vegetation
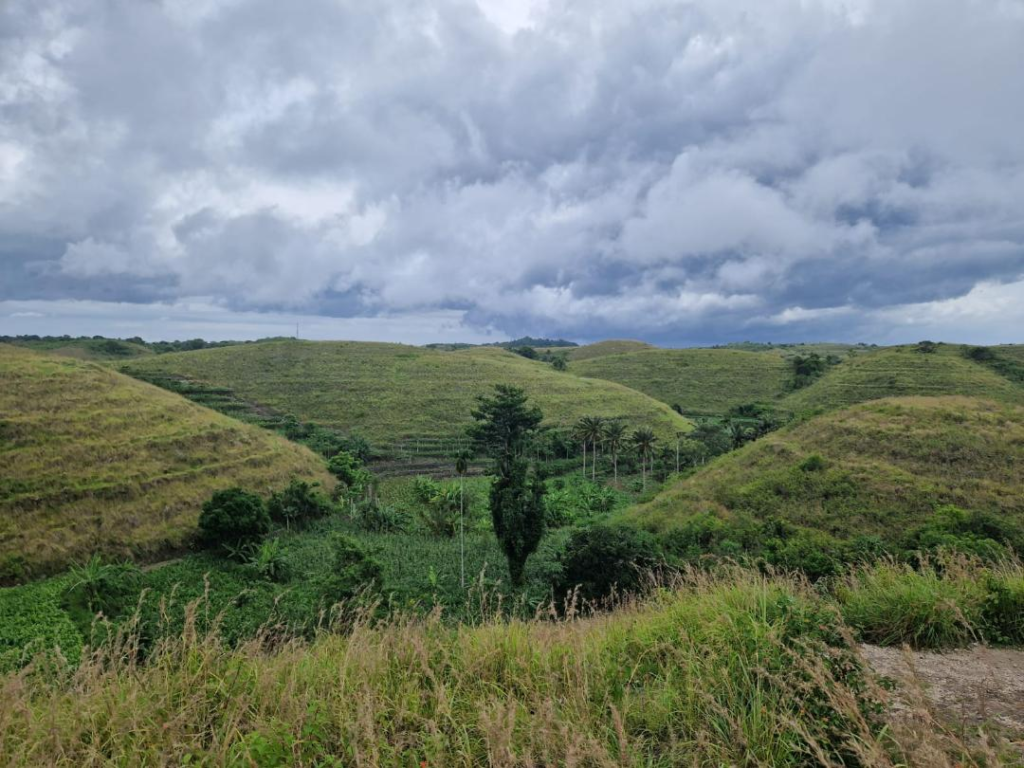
{"x": 399, "y": 396}
{"x": 900, "y": 371}
{"x": 603, "y": 348}
{"x": 879, "y": 468}
{"x": 96, "y": 462}
{"x": 701, "y": 382}
{"x": 726, "y": 669}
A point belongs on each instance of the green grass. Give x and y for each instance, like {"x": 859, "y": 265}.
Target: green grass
{"x": 92, "y": 460}
{"x": 900, "y": 371}
{"x": 702, "y": 382}
{"x": 600, "y": 349}
{"x": 86, "y": 349}
{"x": 885, "y": 466}
{"x": 393, "y": 394}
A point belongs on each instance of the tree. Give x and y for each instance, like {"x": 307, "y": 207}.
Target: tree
{"x": 505, "y": 426}
{"x": 233, "y": 519}
{"x": 299, "y": 503}
{"x": 614, "y": 440}
{"x": 643, "y": 439}
{"x": 461, "y": 467}
{"x": 590, "y": 430}
{"x": 558, "y": 363}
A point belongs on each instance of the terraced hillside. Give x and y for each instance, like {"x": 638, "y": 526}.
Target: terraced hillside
{"x": 874, "y": 468}
{"x": 393, "y": 394}
{"x": 92, "y": 460}
{"x": 699, "y": 381}
{"x": 898, "y": 371}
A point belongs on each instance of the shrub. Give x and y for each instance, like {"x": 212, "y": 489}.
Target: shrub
{"x": 101, "y": 587}
{"x": 813, "y": 463}
{"x": 353, "y": 571}
{"x": 267, "y": 560}
{"x": 299, "y": 503}
{"x": 705, "y": 534}
{"x": 603, "y": 558}
{"x": 373, "y": 516}
{"x": 814, "y": 553}
{"x": 231, "y": 520}
{"x": 1003, "y": 611}
{"x": 574, "y": 501}
{"x": 348, "y": 468}
{"x": 439, "y": 513}
{"x": 973, "y": 533}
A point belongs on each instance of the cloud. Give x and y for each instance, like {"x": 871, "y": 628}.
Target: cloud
{"x": 691, "y": 172}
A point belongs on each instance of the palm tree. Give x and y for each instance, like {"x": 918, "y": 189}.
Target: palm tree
{"x": 591, "y": 430}
{"x": 461, "y": 466}
{"x": 643, "y": 439}
{"x": 614, "y": 438}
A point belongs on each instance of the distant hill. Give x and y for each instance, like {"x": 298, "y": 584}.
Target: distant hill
{"x": 603, "y": 348}
{"x": 103, "y": 348}
{"x": 898, "y": 371}
{"x": 94, "y": 461}
{"x": 699, "y": 381}
{"x": 394, "y": 394}
{"x": 530, "y": 341}
{"x": 881, "y": 467}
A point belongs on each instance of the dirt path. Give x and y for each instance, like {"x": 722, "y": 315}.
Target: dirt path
{"x": 966, "y": 688}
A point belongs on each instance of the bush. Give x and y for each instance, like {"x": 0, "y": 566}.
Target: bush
{"x": 267, "y": 560}
{"x": 300, "y": 503}
{"x": 973, "y": 533}
{"x": 1003, "y": 612}
{"x": 101, "y": 587}
{"x": 348, "y": 468}
{"x": 353, "y": 572}
{"x": 603, "y": 558}
{"x": 575, "y": 501}
{"x": 705, "y": 534}
{"x": 373, "y": 516}
{"x": 231, "y": 520}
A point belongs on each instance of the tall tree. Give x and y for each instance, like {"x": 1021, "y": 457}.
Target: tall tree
{"x": 643, "y": 439}
{"x": 505, "y": 426}
{"x": 614, "y": 439}
{"x": 591, "y": 430}
{"x": 461, "y": 467}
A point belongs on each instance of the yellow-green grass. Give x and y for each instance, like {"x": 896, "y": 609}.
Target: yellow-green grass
{"x": 600, "y": 349}
{"x": 699, "y": 381}
{"x": 92, "y": 460}
{"x": 391, "y": 392}
{"x": 87, "y": 349}
{"x": 899, "y": 371}
{"x": 885, "y": 465}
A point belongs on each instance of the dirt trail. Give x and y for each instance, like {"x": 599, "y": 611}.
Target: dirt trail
{"x": 967, "y": 687}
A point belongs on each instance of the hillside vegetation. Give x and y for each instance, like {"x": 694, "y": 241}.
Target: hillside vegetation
{"x": 899, "y": 371}
{"x": 92, "y": 460}
{"x": 602, "y": 349}
{"x": 392, "y": 393}
{"x": 876, "y": 468}
{"x": 699, "y": 381}
{"x": 82, "y": 348}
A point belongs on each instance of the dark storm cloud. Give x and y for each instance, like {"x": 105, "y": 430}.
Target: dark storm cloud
{"x": 690, "y": 172}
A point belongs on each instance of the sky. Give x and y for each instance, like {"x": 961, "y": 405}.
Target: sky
{"x": 687, "y": 172}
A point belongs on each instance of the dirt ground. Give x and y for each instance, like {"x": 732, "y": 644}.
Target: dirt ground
{"x": 966, "y": 688}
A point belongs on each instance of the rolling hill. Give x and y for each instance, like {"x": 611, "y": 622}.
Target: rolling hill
{"x": 702, "y": 382}
{"x": 82, "y": 348}
{"x": 92, "y": 460}
{"x": 600, "y": 349}
{"x": 902, "y": 371}
{"x": 392, "y": 393}
{"x": 874, "y": 468}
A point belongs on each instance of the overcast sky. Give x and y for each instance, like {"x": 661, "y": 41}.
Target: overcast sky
{"x": 682, "y": 172}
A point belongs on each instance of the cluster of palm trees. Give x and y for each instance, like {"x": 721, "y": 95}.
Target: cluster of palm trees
{"x": 612, "y": 437}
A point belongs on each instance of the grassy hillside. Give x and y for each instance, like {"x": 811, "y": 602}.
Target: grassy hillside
{"x": 84, "y": 349}
{"x": 391, "y": 393}
{"x": 94, "y": 461}
{"x": 700, "y": 381}
{"x": 601, "y": 349}
{"x": 899, "y": 371}
{"x": 880, "y": 468}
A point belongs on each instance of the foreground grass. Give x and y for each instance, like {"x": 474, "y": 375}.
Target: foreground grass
{"x": 94, "y": 461}
{"x": 395, "y": 394}
{"x": 732, "y": 670}
{"x": 878, "y": 468}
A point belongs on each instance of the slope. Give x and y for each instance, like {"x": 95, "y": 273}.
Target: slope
{"x": 392, "y": 393}
{"x": 92, "y": 460}
{"x": 874, "y": 468}
{"x": 601, "y": 349}
{"x": 898, "y": 371}
{"x": 699, "y": 381}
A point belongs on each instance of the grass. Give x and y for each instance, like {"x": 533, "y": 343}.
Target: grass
{"x": 395, "y": 395}
{"x": 95, "y": 461}
{"x": 600, "y": 349}
{"x": 702, "y": 382}
{"x": 735, "y": 668}
{"x": 901, "y": 371}
{"x": 881, "y": 468}
{"x": 85, "y": 349}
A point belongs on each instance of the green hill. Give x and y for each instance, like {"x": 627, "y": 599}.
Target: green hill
{"x": 94, "y": 461}
{"x": 884, "y": 465}
{"x": 699, "y": 381}
{"x": 601, "y": 349}
{"x": 391, "y": 393}
{"x": 900, "y": 371}
{"x": 82, "y": 348}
